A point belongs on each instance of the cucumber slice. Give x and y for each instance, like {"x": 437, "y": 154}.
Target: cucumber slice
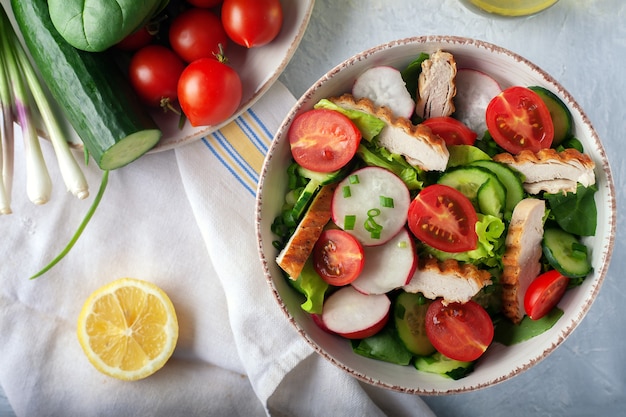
{"x": 566, "y": 253}
{"x": 491, "y": 198}
{"x": 322, "y": 178}
{"x": 511, "y": 181}
{"x": 305, "y": 198}
{"x": 442, "y": 365}
{"x": 480, "y": 185}
{"x": 561, "y": 116}
{"x": 409, "y": 315}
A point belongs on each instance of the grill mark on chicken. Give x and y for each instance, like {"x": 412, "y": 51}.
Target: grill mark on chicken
{"x": 418, "y": 144}
{"x": 299, "y": 247}
{"x": 551, "y": 171}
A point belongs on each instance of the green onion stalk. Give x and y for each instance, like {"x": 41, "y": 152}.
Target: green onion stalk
{"x": 38, "y": 182}
{"x": 6, "y": 141}
{"x": 70, "y": 171}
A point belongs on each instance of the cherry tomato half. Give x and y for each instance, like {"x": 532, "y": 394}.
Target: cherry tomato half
{"x": 209, "y": 92}
{"x": 338, "y": 257}
{"x": 197, "y": 33}
{"x": 462, "y": 332}
{"x": 252, "y": 23}
{"x": 518, "y": 119}
{"x": 154, "y": 71}
{"x": 442, "y": 217}
{"x": 323, "y": 140}
{"x": 451, "y": 130}
{"x": 544, "y": 293}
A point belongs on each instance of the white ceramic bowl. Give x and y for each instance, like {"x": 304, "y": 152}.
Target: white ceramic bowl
{"x": 499, "y": 363}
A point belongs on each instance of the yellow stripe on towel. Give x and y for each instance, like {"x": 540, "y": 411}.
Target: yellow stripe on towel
{"x": 241, "y": 147}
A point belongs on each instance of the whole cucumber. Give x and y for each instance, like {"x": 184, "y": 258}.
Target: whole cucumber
{"x": 93, "y": 93}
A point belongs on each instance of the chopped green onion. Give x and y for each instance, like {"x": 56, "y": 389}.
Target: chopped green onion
{"x": 354, "y": 179}
{"x": 346, "y": 191}
{"x": 386, "y": 202}
{"x": 370, "y": 224}
{"x": 81, "y": 227}
{"x": 579, "y": 250}
{"x": 402, "y": 244}
{"x": 349, "y": 222}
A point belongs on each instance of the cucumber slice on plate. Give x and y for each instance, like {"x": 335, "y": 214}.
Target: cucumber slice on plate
{"x": 511, "y": 180}
{"x": 566, "y": 253}
{"x": 480, "y": 185}
{"x": 561, "y": 116}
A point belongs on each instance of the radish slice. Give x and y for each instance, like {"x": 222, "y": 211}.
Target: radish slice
{"x": 385, "y": 87}
{"x": 387, "y": 266}
{"x": 372, "y": 204}
{"x": 355, "y": 315}
{"x": 474, "y": 91}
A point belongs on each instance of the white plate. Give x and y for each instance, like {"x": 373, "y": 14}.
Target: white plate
{"x": 258, "y": 68}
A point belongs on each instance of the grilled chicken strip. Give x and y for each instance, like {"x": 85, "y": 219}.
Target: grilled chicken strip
{"x": 551, "y": 171}
{"x": 418, "y": 144}
{"x": 450, "y": 279}
{"x": 436, "y": 86}
{"x": 521, "y": 256}
{"x": 299, "y": 247}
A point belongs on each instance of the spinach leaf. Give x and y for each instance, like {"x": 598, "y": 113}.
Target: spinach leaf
{"x": 96, "y": 25}
{"x": 576, "y": 213}
{"x": 385, "y": 346}
{"x": 509, "y": 334}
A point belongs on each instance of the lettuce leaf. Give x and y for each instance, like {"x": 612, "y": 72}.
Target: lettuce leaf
{"x": 312, "y": 286}
{"x": 490, "y": 231}
{"x": 381, "y": 157}
{"x": 370, "y": 126}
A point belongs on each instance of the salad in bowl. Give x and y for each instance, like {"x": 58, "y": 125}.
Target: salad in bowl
{"x": 435, "y": 215}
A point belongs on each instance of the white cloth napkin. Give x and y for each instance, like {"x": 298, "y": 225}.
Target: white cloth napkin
{"x": 182, "y": 219}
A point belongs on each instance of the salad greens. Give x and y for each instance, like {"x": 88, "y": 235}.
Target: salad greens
{"x": 575, "y": 213}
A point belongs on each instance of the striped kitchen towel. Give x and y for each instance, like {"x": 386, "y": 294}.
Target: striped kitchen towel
{"x": 220, "y": 175}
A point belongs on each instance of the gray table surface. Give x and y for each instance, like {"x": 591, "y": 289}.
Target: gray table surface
{"x": 583, "y": 44}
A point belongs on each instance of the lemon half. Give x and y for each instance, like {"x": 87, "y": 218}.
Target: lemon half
{"x": 128, "y": 329}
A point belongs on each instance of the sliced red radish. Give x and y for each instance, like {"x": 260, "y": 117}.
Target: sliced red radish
{"x": 474, "y": 91}
{"x": 385, "y": 87}
{"x": 387, "y": 266}
{"x": 355, "y": 315}
{"x": 372, "y": 204}
{"x": 317, "y": 319}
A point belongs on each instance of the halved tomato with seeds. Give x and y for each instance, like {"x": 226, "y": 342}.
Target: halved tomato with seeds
{"x": 323, "y": 140}
{"x": 518, "y": 119}
{"x": 462, "y": 332}
{"x": 452, "y": 131}
{"x": 338, "y": 257}
{"x": 442, "y": 217}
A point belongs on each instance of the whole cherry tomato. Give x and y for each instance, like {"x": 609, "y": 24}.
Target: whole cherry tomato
{"x": 209, "y": 92}
{"x": 252, "y": 22}
{"x": 154, "y": 71}
{"x": 197, "y": 33}
{"x": 136, "y": 40}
